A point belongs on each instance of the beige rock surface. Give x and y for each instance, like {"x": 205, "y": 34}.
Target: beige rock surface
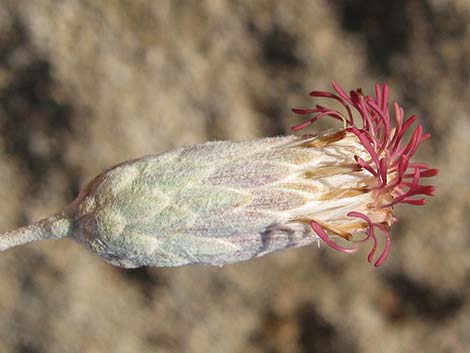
{"x": 86, "y": 84}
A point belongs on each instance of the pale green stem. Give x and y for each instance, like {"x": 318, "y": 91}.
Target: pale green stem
{"x": 54, "y": 227}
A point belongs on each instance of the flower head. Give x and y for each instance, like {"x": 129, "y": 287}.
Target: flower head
{"x": 394, "y": 178}
{"x": 225, "y": 202}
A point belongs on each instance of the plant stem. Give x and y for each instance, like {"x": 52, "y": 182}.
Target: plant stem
{"x": 54, "y": 227}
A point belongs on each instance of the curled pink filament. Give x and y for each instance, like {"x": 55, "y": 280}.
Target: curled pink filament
{"x": 381, "y": 132}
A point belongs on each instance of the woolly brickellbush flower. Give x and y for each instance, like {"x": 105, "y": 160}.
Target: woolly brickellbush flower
{"x": 391, "y": 178}
{"x": 225, "y": 202}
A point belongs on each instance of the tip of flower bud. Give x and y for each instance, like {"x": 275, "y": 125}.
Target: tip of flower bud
{"x": 381, "y": 131}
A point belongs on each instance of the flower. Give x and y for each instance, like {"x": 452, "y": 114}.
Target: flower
{"x": 225, "y": 202}
{"x": 394, "y": 178}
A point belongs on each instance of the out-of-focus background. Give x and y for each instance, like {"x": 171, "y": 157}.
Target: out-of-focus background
{"x": 86, "y": 84}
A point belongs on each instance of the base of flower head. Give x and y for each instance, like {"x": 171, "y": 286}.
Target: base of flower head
{"x": 397, "y": 180}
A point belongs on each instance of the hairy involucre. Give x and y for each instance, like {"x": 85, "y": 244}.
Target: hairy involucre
{"x": 215, "y": 203}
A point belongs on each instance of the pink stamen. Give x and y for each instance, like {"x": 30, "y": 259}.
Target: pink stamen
{"x": 385, "y": 121}
{"x": 335, "y": 97}
{"x": 341, "y": 93}
{"x": 330, "y": 113}
{"x": 367, "y": 145}
{"x": 370, "y": 233}
{"x": 365, "y": 165}
{"x": 388, "y": 242}
{"x": 419, "y": 202}
{"x": 318, "y": 229}
{"x": 383, "y": 173}
{"x": 395, "y": 143}
{"x": 388, "y": 154}
{"x": 385, "y": 95}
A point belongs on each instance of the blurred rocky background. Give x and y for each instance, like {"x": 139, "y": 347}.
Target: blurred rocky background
{"x": 85, "y": 84}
